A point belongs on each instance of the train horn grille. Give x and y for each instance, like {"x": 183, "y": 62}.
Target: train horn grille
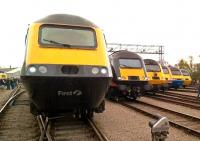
{"x": 69, "y": 69}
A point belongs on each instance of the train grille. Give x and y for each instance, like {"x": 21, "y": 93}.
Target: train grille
{"x": 69, "y": 69}
{"x": 133, "y": 78}
{"x": 155, "y": 77}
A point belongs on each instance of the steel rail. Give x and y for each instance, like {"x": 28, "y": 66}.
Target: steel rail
{"x": 192, "y": 119}
{"x": 183, "y": 90}
{"x": 99, "y": 133}
{"x": 45, "y": 127}
{"x": 174, "y": 101}
{"x": 14, "y": 94}
{"x": 181, "y": 95}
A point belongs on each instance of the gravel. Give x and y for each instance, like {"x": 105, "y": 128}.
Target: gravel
{"x": 18, "y": 124}
{"x": 122, "y": 124}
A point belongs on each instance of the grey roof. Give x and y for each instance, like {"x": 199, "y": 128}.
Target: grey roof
{"x": 6, "y": 69}
{"x": 66, "y": 19}
{"x": 124, "y": 54}
{"x": 150, "y": 62}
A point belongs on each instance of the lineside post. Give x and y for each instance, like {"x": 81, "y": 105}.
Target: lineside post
{"x": 159, "y": 128}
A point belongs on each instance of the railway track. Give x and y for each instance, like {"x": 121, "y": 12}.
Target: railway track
{"x": 191, "y": 103}
{"x": 70, "y": 129}
{"x": 184, "y": 90}
{"x": 188, "y": 123}
{"x": 190, "y": 88}
{"x": 182, "y": 95}
{"x": 16, "y": 122}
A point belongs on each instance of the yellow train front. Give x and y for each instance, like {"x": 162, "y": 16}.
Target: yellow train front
{"x": 168, "y": 76}
{"x": 187, "y": 80}
{"x": 155, "y": 75}
{"x": 66, "y": 67}
{"x": 129, "y": 75}
{"x": 177, "y": 77}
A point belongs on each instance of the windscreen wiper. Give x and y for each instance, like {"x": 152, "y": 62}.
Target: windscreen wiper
{"x": 123, "y": 65}
{"x": 56, "y": 42}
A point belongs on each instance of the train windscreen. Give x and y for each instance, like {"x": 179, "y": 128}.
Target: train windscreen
{"x": 176, "y": 72}
{"x": 153, "y": 68}
{"x": 165, "y": 70}
{"x": 66, "y": 36}
{"x": 185, "y": 73}
{"x": 130, "y": 63}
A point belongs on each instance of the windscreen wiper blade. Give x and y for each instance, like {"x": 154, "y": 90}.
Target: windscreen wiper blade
{"x": 123, "y": 65}
{"x": 56, "y": 42}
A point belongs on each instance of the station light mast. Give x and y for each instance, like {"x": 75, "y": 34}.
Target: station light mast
{"x": 137, "y": 48}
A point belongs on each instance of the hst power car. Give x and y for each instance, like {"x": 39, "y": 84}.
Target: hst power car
{"x": 66, "y": 67}
{"x": 167, "y": 75}
{"x": 155, "y": 75}
{"x": 129, "y": 75}
{"x": 177, "y": 77}
{"x": 187, "y": 80}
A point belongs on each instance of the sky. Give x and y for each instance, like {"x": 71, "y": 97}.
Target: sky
{"x": 175, "y": 24}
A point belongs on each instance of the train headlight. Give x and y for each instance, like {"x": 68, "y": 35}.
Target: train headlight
{"x": 95, "y": 70}
{"x": 42, "y": 69}
{"x": 103, "y": 70}
{"x": 32, "y": 69}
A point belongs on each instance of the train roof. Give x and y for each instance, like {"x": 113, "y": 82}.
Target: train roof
{"x": 124, "y": 54}
{"x": 150, "y": 62}
{"x": 66, "y": 19}
{"x": 173, "y": 68}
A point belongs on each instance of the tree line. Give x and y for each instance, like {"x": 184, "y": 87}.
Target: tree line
{"x": 193, "y": 68}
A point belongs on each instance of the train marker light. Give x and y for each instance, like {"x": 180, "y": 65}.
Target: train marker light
{"x": 95, "y": 70}
{"x": 32, "y": 69}
{"x": 42, "y": 69}
{"x": 103, "y": 70}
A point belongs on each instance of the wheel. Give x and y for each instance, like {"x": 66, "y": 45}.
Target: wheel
{"x": 90, "y": 113}
{"x": 101, "y": 107}
{"x": 87, "y": 113}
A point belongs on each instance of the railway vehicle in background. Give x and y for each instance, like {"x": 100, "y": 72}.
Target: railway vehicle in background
{"x": 177, "y": 77}
{"x": 155, "y": 75}
{"x": 66, "y": 67}
{"x": 187, "y": 80}
{"x": 3, "y": 76}
{"x": 167, "y": 75}
{"x": 129, "y": 75}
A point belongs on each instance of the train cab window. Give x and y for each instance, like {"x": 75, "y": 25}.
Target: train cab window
{"x": 130, "y": 63}
{"x": 175, "y": 72}
{"x": 66, "y": 36}
{"x": 165, "y": 70}
{"x": 185, "y": 73}
{"x": 153, "y": 68}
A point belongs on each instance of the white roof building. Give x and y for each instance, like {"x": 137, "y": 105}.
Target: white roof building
{"x": 15, "y": 73}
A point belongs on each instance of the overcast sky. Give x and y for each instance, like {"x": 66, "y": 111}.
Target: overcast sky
{"x": 174, "y": 24}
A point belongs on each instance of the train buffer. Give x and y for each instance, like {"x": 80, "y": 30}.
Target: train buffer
{"x": 159, "y": 128}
